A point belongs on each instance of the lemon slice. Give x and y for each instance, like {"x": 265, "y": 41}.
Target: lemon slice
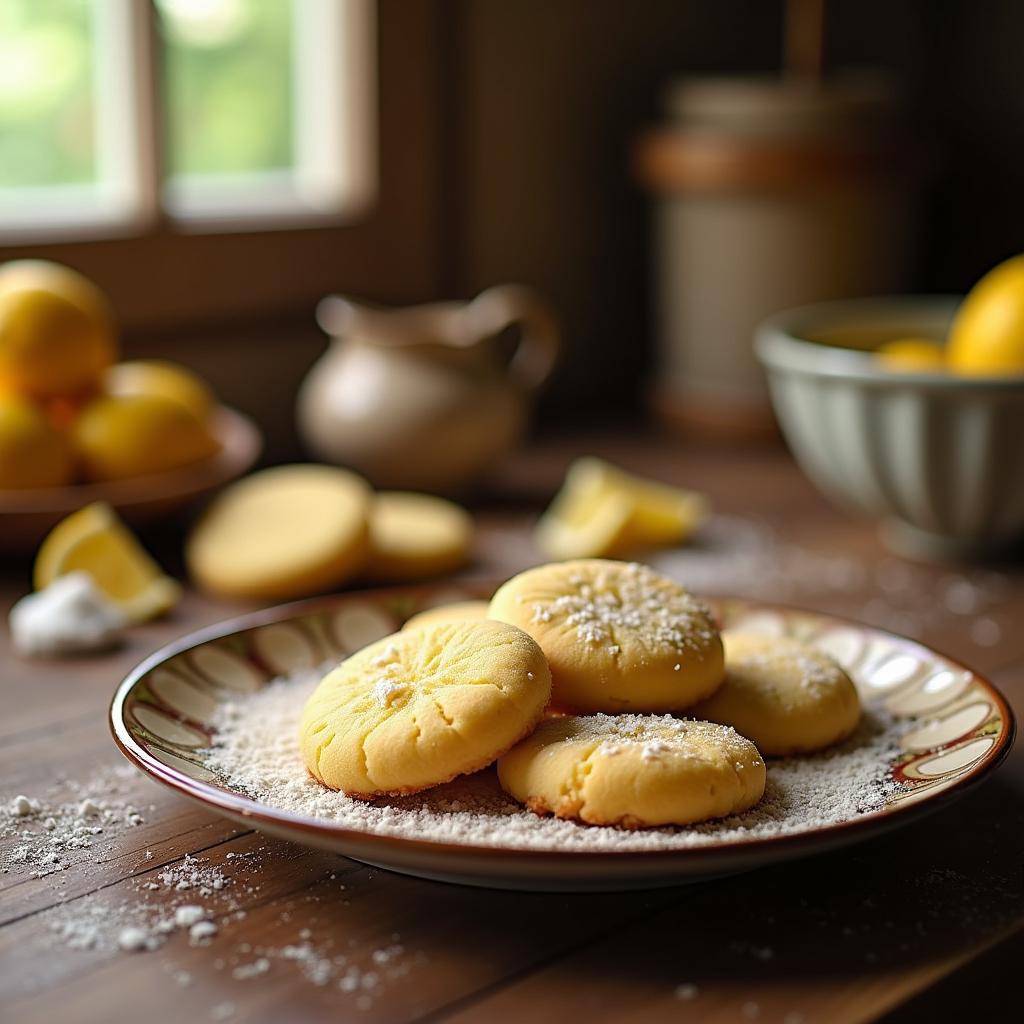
{"x": 93, "y": 539}
{"x": 603, "y": 510}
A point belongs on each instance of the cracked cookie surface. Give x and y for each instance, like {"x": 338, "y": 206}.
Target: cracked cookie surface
{"x": 634, "y": 771}
{"x": 422, "y": 706}
{"x": 788, "y": 697}
{"x": 617, "y": 635}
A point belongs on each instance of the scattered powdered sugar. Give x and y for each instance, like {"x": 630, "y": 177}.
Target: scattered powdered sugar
{"x": 145, "y": 922}
{"x": 68, "y": 823}
{"x": 745, "y": 557}
{"x": 385, "y": 691}
{"x": 192, "y": 873}
{"x": 653, "y": 749}
{"x": 815, "y": 669}
{"x": 256, "y": 752}
{"x": 629, "y": 600}
{"x": 78, "y": 827}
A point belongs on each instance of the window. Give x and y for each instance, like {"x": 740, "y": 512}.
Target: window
{"x": 213, "y": 114}
{"x": 74, "y": 150}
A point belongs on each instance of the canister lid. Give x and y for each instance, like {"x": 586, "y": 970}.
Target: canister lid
{"x": 852, "y": 104}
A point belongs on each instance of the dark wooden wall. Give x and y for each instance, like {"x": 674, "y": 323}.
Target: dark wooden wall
{"x": 510, "y": 124}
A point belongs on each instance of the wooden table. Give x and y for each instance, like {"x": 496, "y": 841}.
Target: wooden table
{"x": 922, "y": 923}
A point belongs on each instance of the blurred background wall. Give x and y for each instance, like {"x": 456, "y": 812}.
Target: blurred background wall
{"x": 506, "y": 154}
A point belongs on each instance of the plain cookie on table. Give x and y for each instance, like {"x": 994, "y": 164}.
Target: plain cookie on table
{"x": 788, "y": 697}
{"x": 617, "y": 635}
{"x": 415, "y": 536}
{"x": 634, "y": 771}
{"x": 422, "y": 706}
{"x": 281, "y": 533}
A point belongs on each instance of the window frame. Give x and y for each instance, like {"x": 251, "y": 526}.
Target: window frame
{"x": 168, "y": 281}
{"x": 124, "y": 199}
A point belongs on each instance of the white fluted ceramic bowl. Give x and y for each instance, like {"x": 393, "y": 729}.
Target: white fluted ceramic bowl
{"x": 939, "y": 459}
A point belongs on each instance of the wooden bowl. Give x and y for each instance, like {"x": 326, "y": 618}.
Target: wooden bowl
{"x": 26, "y": 516}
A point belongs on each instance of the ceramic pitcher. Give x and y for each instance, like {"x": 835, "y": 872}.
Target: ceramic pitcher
{"x": 426, "y": 397}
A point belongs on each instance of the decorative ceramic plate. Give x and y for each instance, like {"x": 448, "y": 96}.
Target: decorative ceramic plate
{"x": 952, "y": 729}
{"x": 26, "y": 516}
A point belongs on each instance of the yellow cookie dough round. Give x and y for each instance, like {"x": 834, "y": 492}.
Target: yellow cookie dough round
{"x": 786, "y": 696}
{"x": 282, "y": 533}
{"x": 422, "y": 706}
{"x": 634, "y": 770}
{"x": 617, "y": 635}
{"x": 459, "y": 611}
{"x": 415, "y": 536}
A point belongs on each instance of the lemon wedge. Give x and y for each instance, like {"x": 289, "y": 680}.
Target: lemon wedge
{"x": 602, "y": 510}
{"x": 95, "y": 540}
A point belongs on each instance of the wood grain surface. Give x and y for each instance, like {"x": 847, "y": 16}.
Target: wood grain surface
{"x": 854, "y": 935}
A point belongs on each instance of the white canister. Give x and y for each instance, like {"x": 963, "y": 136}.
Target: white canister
{"x": 771, "y": 194}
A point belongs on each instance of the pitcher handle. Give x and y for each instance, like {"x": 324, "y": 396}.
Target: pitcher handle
{"x": 507, "y": 305}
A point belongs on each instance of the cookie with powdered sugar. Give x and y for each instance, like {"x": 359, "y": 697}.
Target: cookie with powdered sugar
{"x": 423, "y": 706}
{"x": 634, "y": 771}
{"x": 788, "y": 697}
{"x": 617, "y": 635}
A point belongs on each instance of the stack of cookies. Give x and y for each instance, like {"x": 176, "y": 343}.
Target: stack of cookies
{"x": 603, "y": 690}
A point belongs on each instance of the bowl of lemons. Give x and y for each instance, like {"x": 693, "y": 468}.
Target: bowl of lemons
{"x": 911, "y": 410}
{"x": 77, "y": 426}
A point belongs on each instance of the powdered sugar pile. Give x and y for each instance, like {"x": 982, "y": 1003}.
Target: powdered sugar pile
{"x": 256, "y": 751}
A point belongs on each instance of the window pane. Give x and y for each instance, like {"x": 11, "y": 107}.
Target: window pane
{"x": 228, "y": 67}
{"x": 47, "y": 111}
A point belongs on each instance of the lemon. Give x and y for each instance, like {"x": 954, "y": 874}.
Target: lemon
{"x": 159, "y": 377}
{"x": 94, "y": 540}
{"x": 56, "y": 329}
{"x": 118, "y": 436}
{"x": 987, "y": 336}
{"x": 33, "y": 452}
{"x": 912, "y": 355}
{"x": 602, "y": 510}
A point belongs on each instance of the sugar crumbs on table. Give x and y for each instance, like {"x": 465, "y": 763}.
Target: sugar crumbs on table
{"x": 134, "y": 940}
{"x": 244, "y": 972}
{"x": 191, "y": 874}
{"x": 63, "y": 826}
{"x": 201, "y": 932}
{"x": 22, "y": 807}
{"x": 686, "y": 992}
{"x": 746, "y": 557}
{"x": 189, "y": 914}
